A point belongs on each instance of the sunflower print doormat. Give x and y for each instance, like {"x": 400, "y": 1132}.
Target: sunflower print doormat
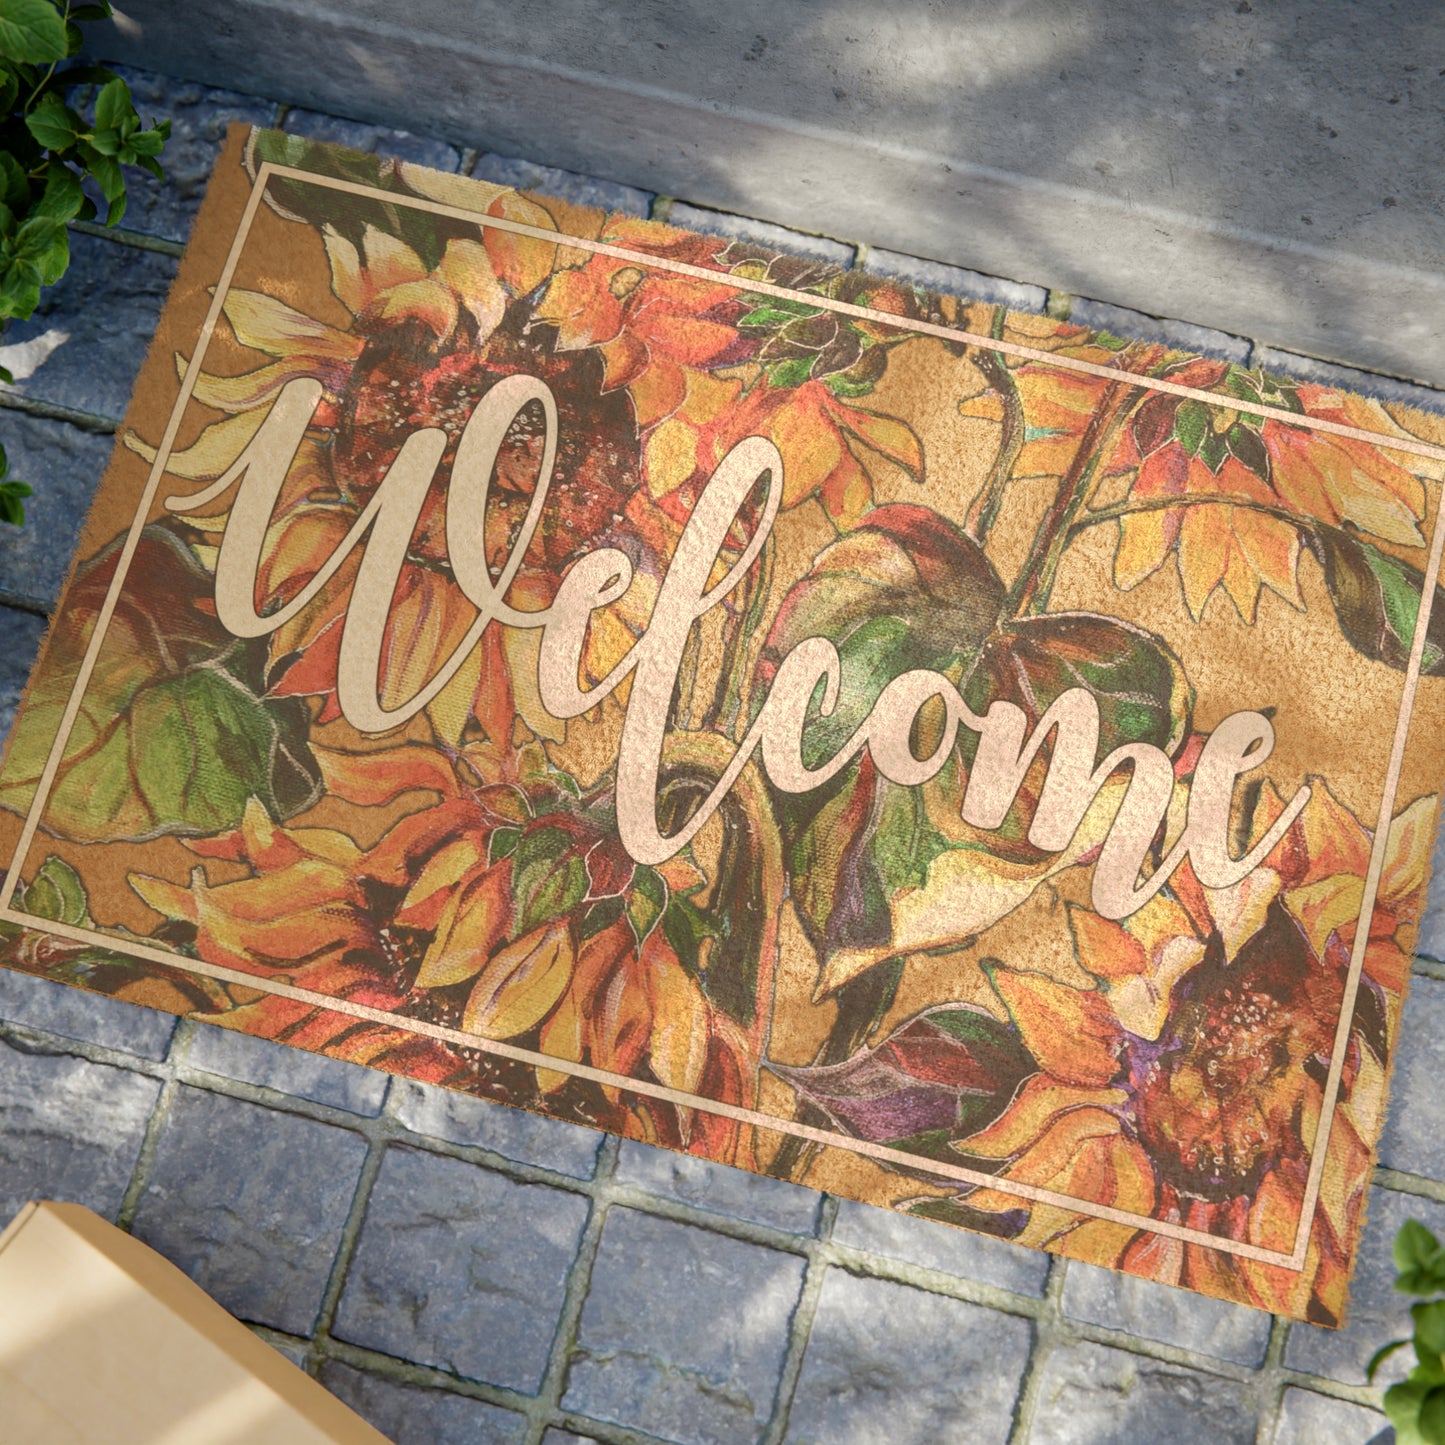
{"x": 952, "y": 758}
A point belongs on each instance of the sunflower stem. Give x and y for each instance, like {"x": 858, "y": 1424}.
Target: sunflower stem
{"x": 985, "y": 509}
{"x": 1031, "y": 589}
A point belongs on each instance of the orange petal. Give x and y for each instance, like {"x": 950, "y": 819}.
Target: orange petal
{"x": 1034, "y": 1110}
{"x": 1072, "y": 1032}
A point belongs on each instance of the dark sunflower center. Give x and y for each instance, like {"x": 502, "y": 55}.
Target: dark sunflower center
{"x": 1223, "y": 1103}
{"x": 405, "y": 381}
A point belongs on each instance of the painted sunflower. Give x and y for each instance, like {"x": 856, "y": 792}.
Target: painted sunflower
{"x": 1187, "y": 1084}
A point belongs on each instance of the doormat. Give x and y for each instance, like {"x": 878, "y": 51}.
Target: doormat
{"x": 951, "y": 758}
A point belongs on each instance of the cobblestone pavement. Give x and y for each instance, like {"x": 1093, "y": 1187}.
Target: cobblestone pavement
{"x": 461, "y": 1272}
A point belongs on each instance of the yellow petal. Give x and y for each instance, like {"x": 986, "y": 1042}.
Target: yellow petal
{"x": 389, "y": 261}
{"x": 267, "y": 324}
{"x": 518, "y": 988}
{"x": 423, "y": 300}
{"x": 467, "y": 270}
{"x": 680, "y": 1032}
{"x": 346, "y": 282}
{"x": 214, "y": 450}
{"x": 670, "y": 456}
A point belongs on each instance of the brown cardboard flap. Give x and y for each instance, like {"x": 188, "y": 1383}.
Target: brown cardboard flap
{"x": 102, "y": 1340}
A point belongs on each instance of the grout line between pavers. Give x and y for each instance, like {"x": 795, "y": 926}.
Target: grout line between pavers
{"x": 800, "y": 1326}
{"x": 409, "y": 1372}
{"x": 1046, "y": 1326}
{"x": 1269, "y": 1391}
{"x": 124, "y": 236}
{"x": 345, "y": 1250}
{"x": 1425, "y": 966}
{"x": 547, "y": 1406}
{"x": 1403, "y": 1182}
{"x": 51, "y": 411}
{"x": 180, "y": 1045}
{"x": 19, "y": 602}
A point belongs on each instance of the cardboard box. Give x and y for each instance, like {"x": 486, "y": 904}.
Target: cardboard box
{"x": 102, "y": 1340}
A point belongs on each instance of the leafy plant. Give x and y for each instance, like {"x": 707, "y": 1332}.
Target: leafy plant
{"x": 47, "y": 149}
{"x": 1416, "y": 1405}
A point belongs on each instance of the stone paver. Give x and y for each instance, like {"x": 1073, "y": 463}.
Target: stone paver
{"x": 378, "y": 139}
{"x": 761, "y": 233}
{"x": 956, "y": 281}
{"x": 461, "y": 1268}
{"x": 1306, "y": 1418}
{"x": 1159, "y": 1312}
{"x": 1120, "y": 321}
{"x": 567, "y": 185}
{"x": 412, "y": 1415}
{"x": 1413, "y": 1139}
{"x": 63, "y": 464}
{"x": 22, "y": 632}
{"x": 69, "y": 1130}
{"x": 950, "y": 1251}
{"x": 1431, "y": 943}
{"x": 290, "y": 1071}
{"x": 717, "y": 1188}
{"x": 37, "y": 1003}
{"x": 1377, "y": 1312}
{"x": 514, "y": 1133}
{"x": 873, "y": 1346}
{"x": 85, "y": 343}
{"x": 250, "y": 1202}
{"x": 1092, "y": 1395}
{"x": 199, "y": 116}
{"x": 688, "y": 1345}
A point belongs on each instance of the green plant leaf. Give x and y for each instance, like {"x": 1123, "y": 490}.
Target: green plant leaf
{"x": 1402, "y": 1405}
{"x": 113, "y": 105}
{"x": 42, "y": 242}
{"x": 1377, "y": 600}
{"x": 1432, "y": 1416}
{"x": 1429, "y": 1327}
{"x": 174, "y": 733}
{"x": 19, "y": 290}
{"x": 56, "y": 893}
{"x": 63, "y": 195}
{"x": 53, "y": 123}
{"x": 1420, "y": 1260}
{"x": 12, "y": 506}
{"x": 14, "y": 185}
{"x": 31, "y": 31}
{"x": 149, "y": 142}
{"x": 1191, "y": 425}
{"x": 1381, "y": 1355}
